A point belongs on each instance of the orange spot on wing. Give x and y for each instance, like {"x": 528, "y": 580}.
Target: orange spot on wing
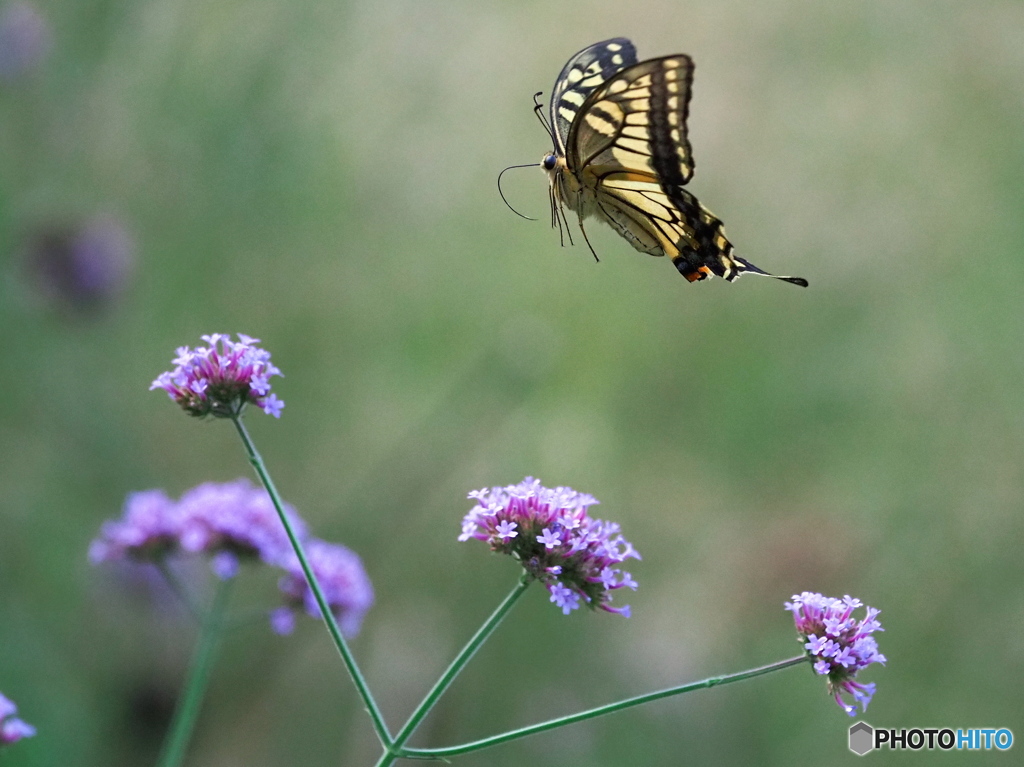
{"x": 701, "y": 273}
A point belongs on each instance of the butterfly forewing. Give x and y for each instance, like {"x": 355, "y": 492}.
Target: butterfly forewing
{"x": 630, "y": 137}
{"x": 636, "y": 121}
{"x": 584, "y": 72}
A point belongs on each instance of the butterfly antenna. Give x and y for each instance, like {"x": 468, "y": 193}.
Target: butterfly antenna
{"x": 510, "y": 167}
{"x": 749, "y": 267}
{"x": 538, "y": 109}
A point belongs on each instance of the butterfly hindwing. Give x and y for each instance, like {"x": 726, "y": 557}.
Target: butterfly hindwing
{"x": 584, "y": 72}
{"x": 670, "y": 222}
{"x": 642, "y": 213}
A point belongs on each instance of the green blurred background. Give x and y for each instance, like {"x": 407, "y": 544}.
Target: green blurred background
{"x": 322, "y": 176}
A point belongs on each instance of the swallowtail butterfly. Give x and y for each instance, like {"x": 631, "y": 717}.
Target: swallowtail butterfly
{"x": 621, "y": 154}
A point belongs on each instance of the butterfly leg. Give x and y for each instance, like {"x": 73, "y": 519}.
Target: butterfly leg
{"x": 587, "y": 239}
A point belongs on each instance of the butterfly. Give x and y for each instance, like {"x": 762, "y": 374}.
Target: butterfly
{"x": 621, "y": 154}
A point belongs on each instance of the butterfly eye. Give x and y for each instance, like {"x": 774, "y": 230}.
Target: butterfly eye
{"x": 549, "y": 161}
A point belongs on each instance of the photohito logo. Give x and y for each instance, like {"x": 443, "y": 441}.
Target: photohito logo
{"x": 865, "y": 738}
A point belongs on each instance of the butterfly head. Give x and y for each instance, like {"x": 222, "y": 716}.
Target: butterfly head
{"x": 563, "y": 188}
{"x": 557, "y": 169}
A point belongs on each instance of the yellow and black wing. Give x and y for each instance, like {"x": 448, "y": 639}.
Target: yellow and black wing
{"x": 580, "y": 76}
{"x": 628, "y": 143}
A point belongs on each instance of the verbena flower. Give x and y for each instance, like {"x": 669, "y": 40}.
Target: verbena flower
{"x": 231, "y": 522}
{"x": 148, "y": 530}
{"x": 228, "y": 521}
{"x": 575, "y": 556}
{"x": 12, "y": 729}
{"x": 344, "y": 583}
{"x": 220, "y": 379}
{"x": 839, "y": 645}
{"x": 235, "y": 520}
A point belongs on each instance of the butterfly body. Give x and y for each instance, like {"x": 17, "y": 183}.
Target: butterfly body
{"x": 575, "y": 192}
{"x": 621, "y": 155}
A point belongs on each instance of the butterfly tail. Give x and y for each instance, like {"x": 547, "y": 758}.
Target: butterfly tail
{"x": 742, "y": 266}
{"x": 730, "y": 268}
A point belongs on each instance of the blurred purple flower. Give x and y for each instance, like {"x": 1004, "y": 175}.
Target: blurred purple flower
{"x": 342, "y": 578}
{"x": 229, "y": 521}
{"x": 237, "y": 519}
{"x": 549, "y": 532}
{"x": 839, "y": 645}
{"x": 12, "y": 729}
{"x": 85, "y": 266}
{"x": 148, "y": 530}
{"x": 25, "y": 40}
{"x": 282, "y": 620}
{"x": 221, "y": 378}
{"x": 224, "y": 565}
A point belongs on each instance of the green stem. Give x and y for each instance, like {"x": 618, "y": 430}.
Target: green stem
{"x": 187, "y": 711}
{"x": 453, "y": 670}
{"x": 332, "y": 625}
{"x": 476, "y": 745}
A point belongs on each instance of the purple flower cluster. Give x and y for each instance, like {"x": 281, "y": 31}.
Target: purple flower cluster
{"x": 232, "y": 522}
{"x": 235, "y": 520}
{"x": 147, "y": 531}
{"x": 839, "y": 645}
{"x": 575, "y": 556}
{"x": 342, "y": 579}
{"x": 221, "y": 378}
{"x": 12, "y": 729}
{"x": 229, "y": 521}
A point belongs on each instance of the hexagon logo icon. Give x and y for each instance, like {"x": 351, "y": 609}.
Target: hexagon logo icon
{"x": 862, "y": 738}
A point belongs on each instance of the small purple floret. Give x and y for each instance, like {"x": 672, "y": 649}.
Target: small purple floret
{"x": 548, "y": 538}
{"x": 224, "y": 565}
{"x": 564, "y": 597}
{"x": 272, "y": 405}
{"x": 838, "y": 645}
{"x": 575, "y": 556}
{"x": 12, "y": 729}
{"x": 282, "y": 620}
{"x": 220, "y": 379}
